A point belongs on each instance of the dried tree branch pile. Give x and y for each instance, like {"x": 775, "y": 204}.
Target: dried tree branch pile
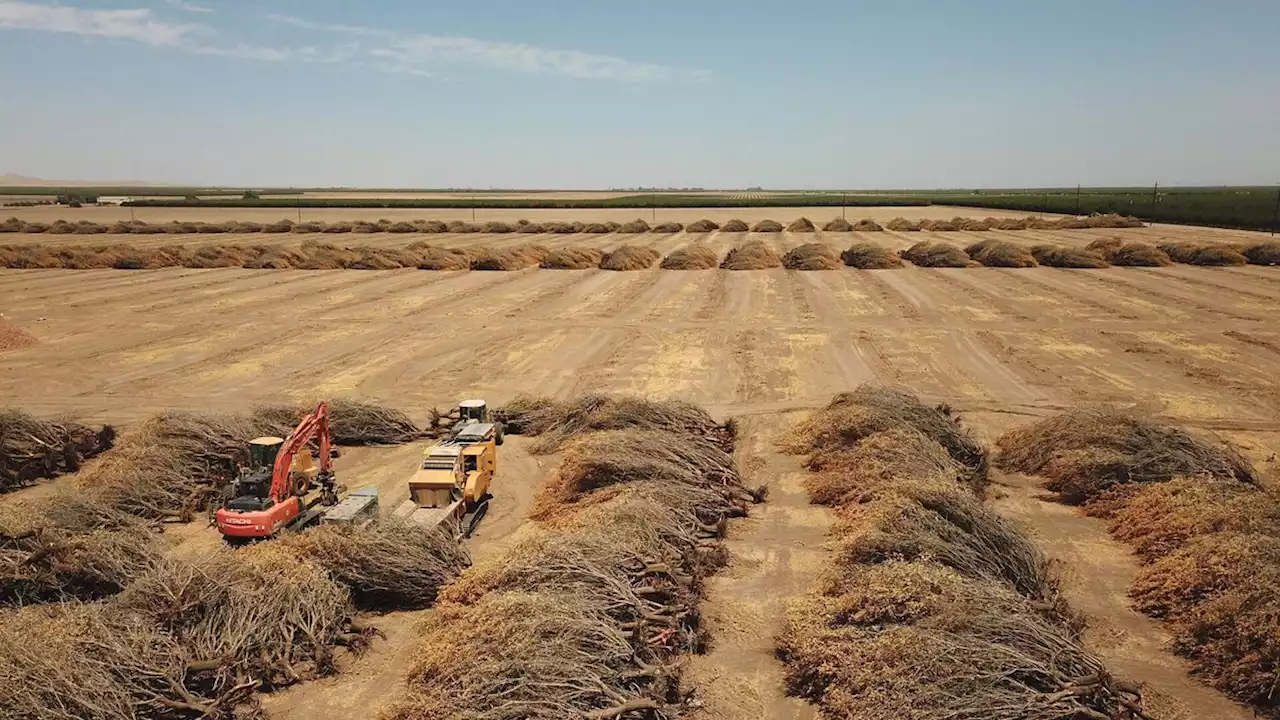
{"x": 1194, "y": 511}
{"x": 31, "y": 448}
{"x": 587, "y": 616}
{"x": 935, "y": 606}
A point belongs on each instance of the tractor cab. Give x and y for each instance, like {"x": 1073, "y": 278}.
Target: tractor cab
{"x": 251, "y": 490}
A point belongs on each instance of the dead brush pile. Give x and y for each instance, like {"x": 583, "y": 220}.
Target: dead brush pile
{"x": 13, "y": 338}
{"x": 603, "y": 597}
{"x": 513, "y": 258}
{"x": 1011, "y": 224}
{"x": 697, "y": 256}
{"x": 751, "y": 255}
{"x": 899, "y": 224}
{"x": 935, "y": 254}
{"x": 838, "y": 225}
{"x": 630, "y": 257}
{"x": 1000, "y": 253}
{"x": 436, "y": 258}
{"x": 867, "y": 225}
{"x": 635, "y": 226}
{"x": 938, "y": 226}
{"x": 1085, "y": 452}
{"x": 869, "y": 256}
{"x": 1129, "y": 253}
{"x": 41, "y": 563}
{"x": 1061, "y": 256}
{"x": 735, "y": 225}
{"x": 1207, "y": 532}
{"x": 1201, "y": 253}
{"x": 935, "y": 607}
{"x": 31, "y": 448}
{"x": 572, "y": 258}
{"x": 1113, "y": 220}
{"x": 811, "y": 256}
{"x": 766, "y": 226}
{"x": 667, "y": 227}
{"x": 803, "y": 224}
{"x": 1264, "y": 253}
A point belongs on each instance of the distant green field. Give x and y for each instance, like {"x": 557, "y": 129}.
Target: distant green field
{"x": 663, "y": 200}
{"x": 1235, "y": 207}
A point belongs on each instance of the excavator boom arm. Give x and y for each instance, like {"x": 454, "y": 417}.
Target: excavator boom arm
{"x": 315, "y": 425}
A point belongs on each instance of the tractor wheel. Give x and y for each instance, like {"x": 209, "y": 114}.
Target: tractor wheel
{"x": 499, "y": 434}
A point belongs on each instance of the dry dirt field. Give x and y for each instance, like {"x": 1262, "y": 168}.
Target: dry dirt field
{"x": 1005, "y": 346}
{"x": 819, "y": 215}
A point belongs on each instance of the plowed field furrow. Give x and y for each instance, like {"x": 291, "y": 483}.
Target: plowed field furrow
{"x": 893, "y": 294}
{"x": 1251, "y": 293}
{"x": 981, "y": 296}
{"x": 851, "y": 296}
{"x": 1254, "y": 275}
{"x": 1075, "y": 285}
{"x": 1167, "y": 293}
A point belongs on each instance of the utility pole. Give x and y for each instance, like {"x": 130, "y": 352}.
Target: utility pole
{"x": 1155, "y": 195}
{"x": 473, "y": 208}
{"x": 1077, "y": 199}
{"x": 1275, "y": 214}
{"x": 844, "y": 200}
{"x": 299, "y": 208}
{"x": 654, "y": 215}
{"x": 131, "y": 214}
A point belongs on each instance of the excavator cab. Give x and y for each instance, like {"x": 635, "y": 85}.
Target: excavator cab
{"x": 470, "y": 411}
{"x": 251, "y": 490}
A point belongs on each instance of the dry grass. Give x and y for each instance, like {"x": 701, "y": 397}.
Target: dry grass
{"x": 751, "y": 255}
{"x": 887, "y": 459}
{"x": 573, "y": 258}
{"x": 630, "y": 257}
{"x": 1067, "y": 257}
{"x": 899, "y": 224}
{"x": 13, "y": 338}
{"x": 702, "y": 226}
{"x": 811, "y": 256}
{"x": 803, "y": 224}
{"x": 867, "y": 225}
{"x": 1264, "y": 253}
{"x": 667, "y": 227}
{"x": 935, "y": 254}
{"x": 635, "y": 226}
{"x": 691, "y": 257}
{"x": 1085, "y": 452}
{"x": 735, "y": 225}
{"x": 869, "y": 256}
{"x": 838, "y": 225}
{"x": 1001, "y": 253}
{"x": 766, "y": 226}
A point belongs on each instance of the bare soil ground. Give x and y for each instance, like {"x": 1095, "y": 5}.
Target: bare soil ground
{"x": 684, "y": 215}
{"x": 1197, "y": 345}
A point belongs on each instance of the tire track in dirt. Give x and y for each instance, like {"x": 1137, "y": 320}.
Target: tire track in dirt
{"x": 776, "y": 554}
{"x": 713, "y": 303}
{"x": 964, "y": 282}
{"x": 1253, "y": 273}
{"x": 1068, "y": 283}
{"x": 1200, "y": 279}
{"x": 886, "y": 289}
{"x": 1130, "y": 282}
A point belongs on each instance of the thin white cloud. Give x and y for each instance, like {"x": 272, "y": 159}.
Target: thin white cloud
{"x": 423, "y": 53}
{"x": 188, "y": 6}
{"x": 138, "y": 25}
{"x": 388, "y": 51}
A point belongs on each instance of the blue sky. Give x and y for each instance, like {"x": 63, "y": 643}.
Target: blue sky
{"x": 575, "y": 94}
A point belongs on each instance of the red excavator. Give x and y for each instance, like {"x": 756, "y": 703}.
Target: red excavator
{"x": 268, "y": 495}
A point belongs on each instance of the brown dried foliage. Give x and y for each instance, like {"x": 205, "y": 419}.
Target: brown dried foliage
{"x": 869, "y": 256}
{"x": 751, "y": 255}
{"x": 811, "y": 256}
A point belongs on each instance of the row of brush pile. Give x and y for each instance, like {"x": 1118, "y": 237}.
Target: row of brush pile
{"x": 934, "y": 607}
{"x": 84, "y": 227}
{"x": 1202, "y": 521}
{"x": 751, "y": 255}
{"x": 587, "y": 616}
{"x": 1101, "y": 253}
{"x": 98, "y": 619}
{"x": 32, "y": 449}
